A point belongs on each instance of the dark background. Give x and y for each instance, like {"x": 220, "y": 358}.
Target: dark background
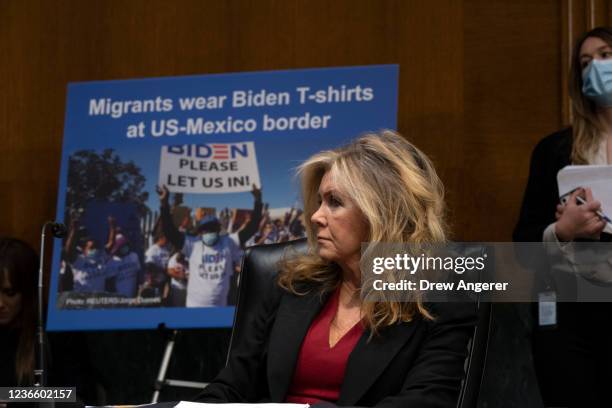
{"x": 480, "y": 83}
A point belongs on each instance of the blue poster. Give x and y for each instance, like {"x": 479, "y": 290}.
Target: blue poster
{"x": 165, "y": 181}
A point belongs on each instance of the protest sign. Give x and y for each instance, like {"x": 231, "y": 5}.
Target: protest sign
{"x": 209, "y": 168}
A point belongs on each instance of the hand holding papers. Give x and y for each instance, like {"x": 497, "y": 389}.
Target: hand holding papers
{"x": 597, "y": 178}
{"x": 587, "y": 190}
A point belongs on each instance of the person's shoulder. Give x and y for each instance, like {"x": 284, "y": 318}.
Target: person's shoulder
{"x": 231, "y": 239}
{"x": 555, "y": 141}
{"x": 191, "y": 239}
{"x": 152, "y": 250}
{"x": 79, "y": 260}
{"x": 190, "y": 242}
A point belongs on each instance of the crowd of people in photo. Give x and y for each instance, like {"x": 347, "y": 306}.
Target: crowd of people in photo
{"x": 91, "y": 267}
{"x": 192, "y": 260}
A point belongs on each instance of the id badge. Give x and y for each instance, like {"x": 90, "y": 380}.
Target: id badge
{"x": 547, "y": 309}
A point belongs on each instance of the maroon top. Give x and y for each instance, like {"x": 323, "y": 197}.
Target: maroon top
{"x": 319, "y": 371}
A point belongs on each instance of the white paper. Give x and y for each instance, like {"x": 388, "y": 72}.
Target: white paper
{"x": 597, "y": 178}
{"x": 187, "y": 404}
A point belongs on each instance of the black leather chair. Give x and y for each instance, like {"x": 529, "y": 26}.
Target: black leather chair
{"x": 259, "y": 269}
{"x": 476, "y": 358}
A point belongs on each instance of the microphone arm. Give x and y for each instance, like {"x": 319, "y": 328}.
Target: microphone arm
{"x": 58, "y": 230}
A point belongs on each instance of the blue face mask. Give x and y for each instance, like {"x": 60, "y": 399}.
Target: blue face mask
{"x": 597, "y": 82}
{"x": 210, "y": 238}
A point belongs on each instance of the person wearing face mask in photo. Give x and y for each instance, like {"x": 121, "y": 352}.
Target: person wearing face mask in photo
{"x": 213, "y": 257}
{"x": 124, "y": 265}
{"x": 573, "y": 356}
{"x": 86, "y": 262}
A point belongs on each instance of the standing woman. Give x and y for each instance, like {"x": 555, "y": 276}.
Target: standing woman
{"x": 573, "y": 360}
{"x": 18, "y": 272}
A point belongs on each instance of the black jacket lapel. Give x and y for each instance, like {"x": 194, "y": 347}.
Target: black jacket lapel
{"x": 368, "y": 360}
{"x": 294, "y": 316}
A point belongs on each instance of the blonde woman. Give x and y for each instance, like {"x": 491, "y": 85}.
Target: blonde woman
{"x": 573, "y": 358}
{"x": 316, "y": 341}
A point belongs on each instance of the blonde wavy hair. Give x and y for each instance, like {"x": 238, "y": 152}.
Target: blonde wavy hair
{"x": 396, "y": 188}
{"x": 587, "y": 129}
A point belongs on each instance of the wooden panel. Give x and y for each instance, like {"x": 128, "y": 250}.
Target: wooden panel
{"x": 431, "y": 89}
{"x": 48, "y": 44}
{"x": 512, "y": 99}
{"x": 508, "y": 89}
{"x": 598, "y": 12}
{"x": 574, "y": 21}
{"x": 504, "y": 81}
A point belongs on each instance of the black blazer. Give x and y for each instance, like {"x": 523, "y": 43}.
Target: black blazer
{"x": 416, "y": 364}
{"x": 541, "y": 197}
{"x": 542, "y": 193}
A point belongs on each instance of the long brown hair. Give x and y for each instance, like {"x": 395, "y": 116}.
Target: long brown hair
{"x": 399, "y": 193}
{"x": 585, "y": 123}
{"x": 19, "y": 262}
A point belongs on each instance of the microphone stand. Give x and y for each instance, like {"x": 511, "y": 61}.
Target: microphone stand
{"x": 58, "y": 230}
